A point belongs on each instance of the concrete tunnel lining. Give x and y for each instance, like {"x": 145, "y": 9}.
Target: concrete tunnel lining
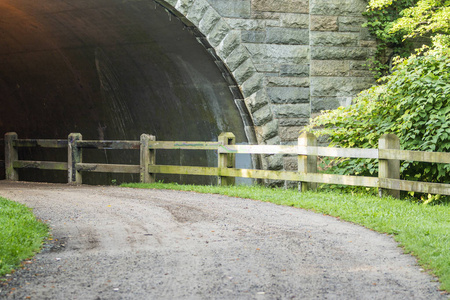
{"x": 45, "y": 27}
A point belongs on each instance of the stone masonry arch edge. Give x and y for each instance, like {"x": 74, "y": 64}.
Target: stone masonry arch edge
{"x": 226, "y": 43}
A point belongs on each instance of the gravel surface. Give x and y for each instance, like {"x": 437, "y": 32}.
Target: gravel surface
{"x": 121, "y": 243}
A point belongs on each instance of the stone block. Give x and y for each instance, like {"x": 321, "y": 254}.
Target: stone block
{"x": 273, "y": 23}
{"x": 172, "y": 2}
{"x": 360, "y": 68}
{"x": 209, "y": 20}
{"x": 300, "y": 70}
{"x": 290, "y": 163}
{"x": 218, "y": 33}
{"x": 289, "y": 6}
{"x": 266, "y": 15}
{"x": 352, "y": 24}
{"x": 272, "y": 162}
{"x": 354, "y": 53}
{"x": 287, "y": 81}
{"x": 262, "y": 116}
{"x": 338, "y": 7}
{"x": 256, "y": 101}
{"x": 330, "y": 68}
{"x": 338, "y": 86}
{"x": 372, "y": 44}
{"x": 336, "y": 39}
{"x": 290, "y": 133}
{"x": 292, "y": 110}
{"x": 252, "y": 85}
{"x": 365, "y": 34}
{"x": 246, "y": 24}
{"x": 268, "y": 68}
{"x": 183, "y": 6}
{"x": 359, "y": 65}
{"x": 278, "y": 54}
{"x": 295, "y": 20}
{"x": 236, "y": 58}
{"x": 275, "y": 74}
{"x": 232, "y": 8}
{"x": 361, "y": 73}
{"x": 196, "y": 11}
{"x": 228, "y": 44}
{"x": 287, "y": 36}
{"x": 244, "y": 71}
{"x": 267, "y": 131}
{"x": 273, "y": 141}
{"x": 319, "y": 104}
{"x": 253, "y": 36}
{"x": 288, "y": 95}
{"x": 324, "y": 23}
{"x": 293, "y": 122}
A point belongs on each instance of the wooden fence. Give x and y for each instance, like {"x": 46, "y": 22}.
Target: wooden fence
{"x": 389, "y": 155}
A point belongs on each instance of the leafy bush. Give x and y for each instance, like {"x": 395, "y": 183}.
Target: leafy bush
{"x": 398, "y": 23}
{"x": 380, "y": 20}
{"x": 426, "y": 17}
{"x": 413, "y": 103}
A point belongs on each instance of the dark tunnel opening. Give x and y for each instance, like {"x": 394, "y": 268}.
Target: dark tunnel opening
{"x": 109, "y": 69}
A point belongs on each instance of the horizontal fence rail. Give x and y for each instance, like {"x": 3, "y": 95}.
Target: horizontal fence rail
{"x": 184, "y": 145}
{"x": 43, "y": 165}
{"x": 300, "y": 150}
{"x": 44, "y": 143}
{"x": 307, "y": 151}
{"x": 107, "y": 168}
{"x": 432, "y": 157}
{"x": 267, "y": 174}
{"x": 108, "y": 145}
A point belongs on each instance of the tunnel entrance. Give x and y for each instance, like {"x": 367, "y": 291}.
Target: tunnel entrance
{"x": 109, "y": 69}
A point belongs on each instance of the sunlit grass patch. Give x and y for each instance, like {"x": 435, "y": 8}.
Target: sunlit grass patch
{"x": 21, "y": 235}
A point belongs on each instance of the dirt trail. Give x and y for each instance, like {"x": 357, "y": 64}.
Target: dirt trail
{"x": 119, "y": 243}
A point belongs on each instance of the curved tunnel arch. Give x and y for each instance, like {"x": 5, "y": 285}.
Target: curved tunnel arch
{"x": 92, "y": 67}
{"x": 214, "y": 31}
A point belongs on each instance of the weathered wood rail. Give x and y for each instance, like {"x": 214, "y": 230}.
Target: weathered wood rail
{"x": 389, "y": 156}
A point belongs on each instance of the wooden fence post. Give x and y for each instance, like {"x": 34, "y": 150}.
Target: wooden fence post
{"x": 226, "y": 160}
{"x": 307, "y": 163}
{"x": 148, "y": 157}
{"x": 11, "y": 155}
{"x": 389, "y": 168}
{"x": 74, "y": 157}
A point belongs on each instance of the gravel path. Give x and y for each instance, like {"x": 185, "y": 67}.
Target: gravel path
{"x": 120, "y": 243}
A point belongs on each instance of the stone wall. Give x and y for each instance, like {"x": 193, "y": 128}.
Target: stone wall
{"x": 290, "y": 58}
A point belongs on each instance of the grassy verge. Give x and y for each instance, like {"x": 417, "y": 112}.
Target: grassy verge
{"x": 21, "y": 235}
{"x": 423, "y": 231}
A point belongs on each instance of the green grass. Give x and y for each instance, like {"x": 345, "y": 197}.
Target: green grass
{"x": 21, "y": 235}
{"x": 423, "y": 231}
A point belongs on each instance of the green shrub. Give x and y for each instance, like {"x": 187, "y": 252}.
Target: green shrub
{"x": 399, "y": 24}
{"x": 380, "y": 20}
{"x": 413, "y": 103}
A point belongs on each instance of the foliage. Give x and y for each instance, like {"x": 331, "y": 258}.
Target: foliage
{"x": 425, "y": 17}
{"x": 414, "y": 103}
{"x": 421, "y": 230}
{"x": 21, "y": 235}
{"x": 398, "y": 23}
{"x": 380, "y": 20}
